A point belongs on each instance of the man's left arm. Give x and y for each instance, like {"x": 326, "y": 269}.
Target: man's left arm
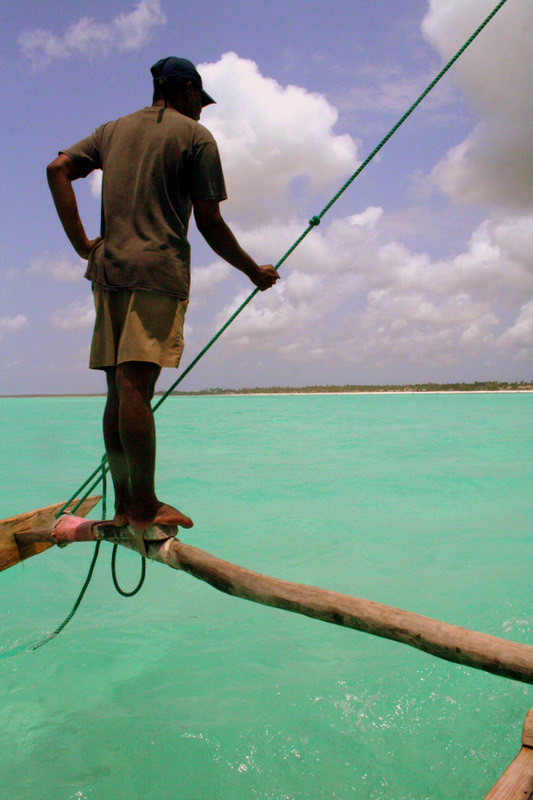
{"x": 221, "y": 239}
{"x": 61, "y": 173}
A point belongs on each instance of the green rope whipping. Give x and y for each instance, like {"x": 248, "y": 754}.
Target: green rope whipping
{"x": 99, "y": 474}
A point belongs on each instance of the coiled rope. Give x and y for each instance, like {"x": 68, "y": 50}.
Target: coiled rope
{"x": 99, "y": 474}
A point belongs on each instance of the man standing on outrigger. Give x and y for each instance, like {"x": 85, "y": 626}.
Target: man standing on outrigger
{"x": 158, "y": 164}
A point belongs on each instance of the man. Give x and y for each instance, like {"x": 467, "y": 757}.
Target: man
{"x": 157, "y": 164}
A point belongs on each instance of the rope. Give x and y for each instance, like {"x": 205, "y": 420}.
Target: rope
{"x": 410, "y": 110}
{"x": 314, "y": 221}
{"x": 115, "y": 579}
{"x": 103, "y": 467}
{"x": 76, "y": 604}
{"x": 87, "y": 579}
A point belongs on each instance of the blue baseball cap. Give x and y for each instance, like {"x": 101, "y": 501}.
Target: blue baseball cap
{"x": 179, "y": 70}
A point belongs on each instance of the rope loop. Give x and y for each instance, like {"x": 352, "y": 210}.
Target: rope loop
{"x": 115, "y": 579}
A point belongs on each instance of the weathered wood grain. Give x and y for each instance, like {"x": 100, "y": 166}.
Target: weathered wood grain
{"x": 516, "y": 783}
{"x": 527, "y": 733}
{"x": 450, "y": 642}
{"x": 10, "y": 552}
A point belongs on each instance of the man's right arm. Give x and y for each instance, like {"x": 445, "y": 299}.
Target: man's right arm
{"x": 221, "y": 239}
{"x": 60, "y": 173}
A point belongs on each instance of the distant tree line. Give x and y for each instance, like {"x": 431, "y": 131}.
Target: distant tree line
{"x": 476, "y": 386}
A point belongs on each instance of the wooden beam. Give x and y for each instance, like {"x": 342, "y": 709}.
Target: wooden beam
{"x": 42, "y": 518}
{"x": 450, "y": 642}
{"x": 87, "y": 530}
{"x": 516, "y": 783}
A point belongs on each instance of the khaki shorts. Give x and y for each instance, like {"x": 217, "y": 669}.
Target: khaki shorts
{"x": 136, "y": 326}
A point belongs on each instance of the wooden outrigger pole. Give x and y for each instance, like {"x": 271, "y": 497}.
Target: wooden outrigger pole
{"x": 29, "y": 534}
{"x": 450, "y": 642}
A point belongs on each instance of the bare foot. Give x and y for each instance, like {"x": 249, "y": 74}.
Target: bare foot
{"x": 164, "y": 515}
{"x": 168, "y": 515}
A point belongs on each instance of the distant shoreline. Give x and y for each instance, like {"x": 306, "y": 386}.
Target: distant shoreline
{"x": 488, "y": 387}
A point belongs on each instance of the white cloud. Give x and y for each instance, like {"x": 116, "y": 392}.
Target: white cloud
{"x": 271, "y": 135}
{"x": 351, "y": 294}
{"x": 125, "y": 33}
{"x": 389, "y": 90}
{"x": 370, "y": 216}
{"x": 495, "y": 66}
{"x": 496, "y": 265}
{"x": 12, "y": 324}
{"x": 204, "y": 280}
{"x": 78, "y": 314}
{"x": 273, "y": 140}
{"x": 493, "y": 165}
{"x": 60, "y": 269}
{"x": 519, "y": 337}
{"x": 413, "y": 327}
{"x": 133, "y": 29}
{"x": 95, "y": 182}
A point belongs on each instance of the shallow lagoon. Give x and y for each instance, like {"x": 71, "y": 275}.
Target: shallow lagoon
{"x": 419, "y": 501}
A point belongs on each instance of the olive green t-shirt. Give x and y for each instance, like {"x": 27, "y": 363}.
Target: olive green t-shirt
{"x": 155, "y": 162}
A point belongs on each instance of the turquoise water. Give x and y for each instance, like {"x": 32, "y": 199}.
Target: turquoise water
{"x": 418, "y": 501}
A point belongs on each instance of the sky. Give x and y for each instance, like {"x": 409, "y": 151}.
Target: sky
{"x": 423, "y": 269}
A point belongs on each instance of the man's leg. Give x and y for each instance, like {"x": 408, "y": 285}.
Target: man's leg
{"x": 115, "y": 453}
{"x": 135, "y": 384}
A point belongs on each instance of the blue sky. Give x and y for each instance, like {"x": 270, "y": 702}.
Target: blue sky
{"x": 422, "y": 271}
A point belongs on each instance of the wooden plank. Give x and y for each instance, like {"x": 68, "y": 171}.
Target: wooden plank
{"x": 449, "y": 642}
{"x": 516, "y": 783}
{"x": 10, "y": 552}
{"x": 527, "y": 733}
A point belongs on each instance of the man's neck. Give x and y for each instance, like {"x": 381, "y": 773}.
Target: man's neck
{"x": 176, "y": 106}
{"x": 162, "y": 104}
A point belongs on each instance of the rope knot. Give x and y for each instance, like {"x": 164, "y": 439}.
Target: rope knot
{"x": 314, "y": 221}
